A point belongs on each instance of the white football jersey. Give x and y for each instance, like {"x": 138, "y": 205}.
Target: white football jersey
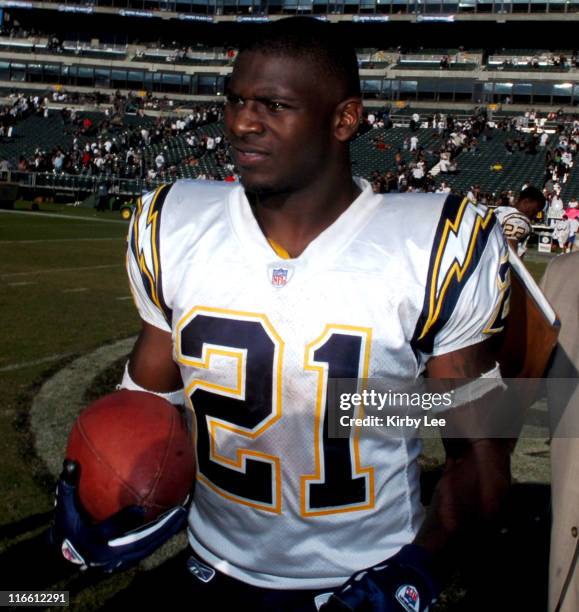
{"x": 394, "y": 280}
{"x": 516, "y": 226}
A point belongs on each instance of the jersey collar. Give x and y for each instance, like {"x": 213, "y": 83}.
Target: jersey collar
{"x": 327, "y": 245}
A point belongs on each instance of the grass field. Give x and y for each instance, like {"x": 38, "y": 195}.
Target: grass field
{"x": 64, "y": 294}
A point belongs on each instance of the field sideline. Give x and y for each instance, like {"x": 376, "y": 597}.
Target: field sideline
{"x": 65, "y": 294}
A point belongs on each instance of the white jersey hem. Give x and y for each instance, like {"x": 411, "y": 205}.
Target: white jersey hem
{"x": 265, "y": 581}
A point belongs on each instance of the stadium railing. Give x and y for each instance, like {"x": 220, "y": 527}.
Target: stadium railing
{"x": 80, "y": 184}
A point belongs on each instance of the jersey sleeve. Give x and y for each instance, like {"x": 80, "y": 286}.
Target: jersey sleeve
{"x": 468, "y": 285}
{"x": 516, "y": 227}
{"x": 144, "y": 261}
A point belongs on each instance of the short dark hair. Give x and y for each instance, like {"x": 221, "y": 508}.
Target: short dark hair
{"x": 312, "y": 40}
{"x": 534, "y": 194}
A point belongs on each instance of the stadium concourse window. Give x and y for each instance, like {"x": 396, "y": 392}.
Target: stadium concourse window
{"x": 34, "y": 73}
{"x": 502, "y": 92}
{"x": 562, "y": 93}
{"x": 428, "y": 89}
{"x": 135, "y": 79}
{"x": 367, "y": 6}
{"x": 172, "y": 83}
{"x": 462, "y": 90}
{"x": 85, "y": 76}
{"x": 556, "y": 6}
{"x": 522, "y": 93}
{"x": 396, "y": 6}
{"x": 118, "y": 79}
{"x": 102, "y": 77}
{"x": 542, "y": 93}
{"x": 485, "y": 7}
{"x": 190, "y": 6}
{"x": 206, "y": 85}
{"x": 17, "y": 72}
{"x": 51, "y": 73}
{"x": 371, "y": 88}
{"x": 408, "y": 90}
{"x": 467, "y": 6}
{"x": 432, "y": 7}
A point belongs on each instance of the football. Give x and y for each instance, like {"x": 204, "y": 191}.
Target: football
{"x": 133, "y": 448}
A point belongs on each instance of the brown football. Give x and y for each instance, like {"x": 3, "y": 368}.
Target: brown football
{"x": 133, "y": 448}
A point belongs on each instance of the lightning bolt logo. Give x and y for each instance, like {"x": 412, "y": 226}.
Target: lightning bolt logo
{"x": 457, "y": 270}
{"x": 151, "y": 277}
{"x": 497, "y": 319}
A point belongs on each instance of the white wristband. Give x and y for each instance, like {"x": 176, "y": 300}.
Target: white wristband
{"x": 475, "y": 389}
{"x": 174, "y": 397}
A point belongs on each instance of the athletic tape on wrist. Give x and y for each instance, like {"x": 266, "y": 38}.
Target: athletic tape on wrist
{"x": 475, "y": 389}
{"x": 174, "y": 397}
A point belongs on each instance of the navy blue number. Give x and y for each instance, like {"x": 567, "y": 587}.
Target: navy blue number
{"x": 340, "y": 488}
{"x": 256, "y": 481}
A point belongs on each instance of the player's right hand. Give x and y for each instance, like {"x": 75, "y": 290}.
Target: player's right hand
{"x": 402, "y": 583}
{"x": 117, "y": 543}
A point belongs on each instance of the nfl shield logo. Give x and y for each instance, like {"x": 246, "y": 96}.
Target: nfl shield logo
{"x": 279, "y": 277}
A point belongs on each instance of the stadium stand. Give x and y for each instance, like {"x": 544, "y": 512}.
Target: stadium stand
{"x": 116, "y": 81}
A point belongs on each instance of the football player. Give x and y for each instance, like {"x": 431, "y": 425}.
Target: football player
{"x": 254, "y": 296}
{"x": 516, "y": 220}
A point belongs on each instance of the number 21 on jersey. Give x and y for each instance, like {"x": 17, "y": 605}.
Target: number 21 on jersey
{"x": 253, "y": 404}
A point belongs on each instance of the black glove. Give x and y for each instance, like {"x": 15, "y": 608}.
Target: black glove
{"x": 402, "y": 583}
{"x": 117, "y": 543}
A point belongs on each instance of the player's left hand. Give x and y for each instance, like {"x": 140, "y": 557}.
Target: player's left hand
{"x": 115, "y": 544}
{"x": 402, "y": 583}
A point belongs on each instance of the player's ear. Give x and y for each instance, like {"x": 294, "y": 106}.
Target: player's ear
{"x": 347, "y": 119}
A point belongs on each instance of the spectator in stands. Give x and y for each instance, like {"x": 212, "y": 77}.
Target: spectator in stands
{"x": 573, "y": 229}
{"x": 561, "y": 232}
{"x": 160, "y": 161}
{"x": 58, "y": 161}
{"x": 473, "y": 194}
{"x": 413, "y": 142}
{"x": 555, "y": 210}
{"x": 543, "y": 140}
{"x": 102, "y": 197}
{"x": 532, "y": 143}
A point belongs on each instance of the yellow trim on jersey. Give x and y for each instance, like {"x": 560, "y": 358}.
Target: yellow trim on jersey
{"x": 501, "y": 310}
{"x": 152, "y": 218}
{"x": 435, "y": 305}
{"x": 322, "y": 371}
{"x": 238, "y": 392}
{"x": 279, "y": 250}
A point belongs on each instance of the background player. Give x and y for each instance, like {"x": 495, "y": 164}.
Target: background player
{"x": 516, "y": 220}
{"x": 251, "y": 298}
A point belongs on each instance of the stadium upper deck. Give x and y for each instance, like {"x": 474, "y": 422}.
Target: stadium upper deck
{"x": 357, "y": 10}
{"x": 542, "y": 77}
